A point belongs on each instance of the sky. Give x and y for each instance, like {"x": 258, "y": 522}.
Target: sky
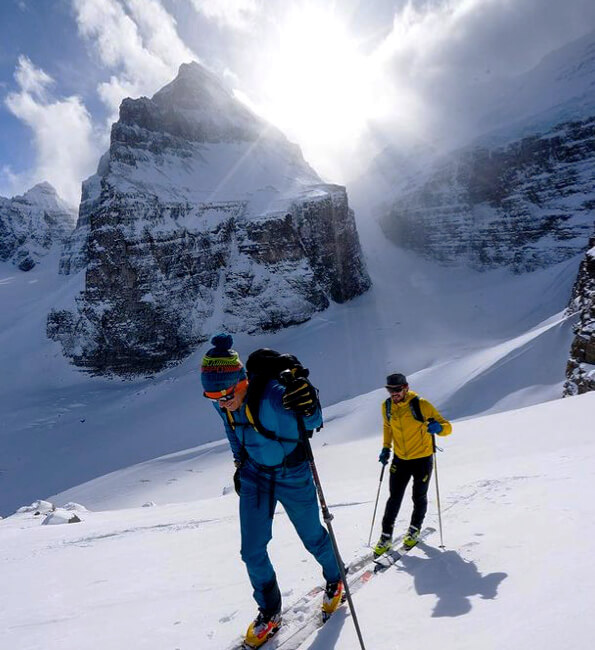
{"x": 339, "y": 78}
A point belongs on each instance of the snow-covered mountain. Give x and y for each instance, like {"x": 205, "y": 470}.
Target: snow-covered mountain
{"x": 580, "y": 371}
{"x": 31, "y": 223}
{"x": 561, "y": 88}
{"x": 201, "y": 216}
{"x": 522, "y": 194}
{"x": 524, "y": 205}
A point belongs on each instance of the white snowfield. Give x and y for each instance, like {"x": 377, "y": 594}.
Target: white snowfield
{"x": 518, "y": 565}
{"x": 516, "y": 572}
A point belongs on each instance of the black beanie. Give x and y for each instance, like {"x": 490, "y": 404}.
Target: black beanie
{"x": 396, "y": 379}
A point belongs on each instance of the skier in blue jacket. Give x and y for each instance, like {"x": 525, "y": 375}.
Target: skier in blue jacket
{"x": 271, "y": 466}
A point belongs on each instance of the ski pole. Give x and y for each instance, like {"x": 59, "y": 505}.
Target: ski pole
{"x": 437, "y": 488}
{"x": 376, "y": 504}
{"x": 287, "y": 378}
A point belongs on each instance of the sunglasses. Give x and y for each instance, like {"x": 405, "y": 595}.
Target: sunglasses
{"x": 225, "y": 395}
{"x": 393, "y": 390}
{"x": 221, "y": 396}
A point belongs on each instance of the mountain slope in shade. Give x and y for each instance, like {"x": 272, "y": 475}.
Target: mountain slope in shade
{"x": 201, "y": 216}
{"x": 521, "y": 194}
{"x": 524, "y": 205}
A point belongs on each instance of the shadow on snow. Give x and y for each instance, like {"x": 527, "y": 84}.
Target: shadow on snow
{"x": 453, "y": 580}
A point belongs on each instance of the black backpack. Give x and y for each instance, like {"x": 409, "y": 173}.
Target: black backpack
{"x": 263, "y": 365}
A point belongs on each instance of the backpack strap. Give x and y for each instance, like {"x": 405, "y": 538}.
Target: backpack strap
{"x": 387, "y": 408}
{"x": 414, "y": 405}
{"x": 257, "y": 426}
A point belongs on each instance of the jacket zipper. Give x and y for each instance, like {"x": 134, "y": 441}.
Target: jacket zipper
{"x": 405, "y": 453}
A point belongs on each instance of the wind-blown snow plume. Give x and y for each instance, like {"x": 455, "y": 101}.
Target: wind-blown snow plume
{"x": 62, "y": 129}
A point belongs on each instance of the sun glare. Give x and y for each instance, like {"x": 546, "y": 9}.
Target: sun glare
{"x": 321, "y": 89}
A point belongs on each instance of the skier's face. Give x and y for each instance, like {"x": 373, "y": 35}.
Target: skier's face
{"x": 234, "y": 401}
{"x": 398, "y": 393}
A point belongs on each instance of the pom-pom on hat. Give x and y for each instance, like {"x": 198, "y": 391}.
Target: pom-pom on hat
{"x": 221, "y": 367}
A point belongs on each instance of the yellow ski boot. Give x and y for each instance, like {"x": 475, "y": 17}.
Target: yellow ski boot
{"x": 384, "y": 544}
{"x": 262, "y": 628}
{"x": 334, "y": 595}
{"x": 412, "y": 537}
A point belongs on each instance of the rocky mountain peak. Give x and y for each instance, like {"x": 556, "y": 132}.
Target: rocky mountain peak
{"x": 31, "y": 223}
{"x": 194, "y": 88}
{"x": 43, "y": 189}
{"x": 201, "y": 217}
{"x": 44, "y": 195}
{"x": 196, "y": 106}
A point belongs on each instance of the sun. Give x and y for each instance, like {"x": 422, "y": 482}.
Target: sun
{"x": 319, "y": 87}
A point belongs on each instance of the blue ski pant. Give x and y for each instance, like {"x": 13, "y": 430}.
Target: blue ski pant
{"x": 259, "y": 493}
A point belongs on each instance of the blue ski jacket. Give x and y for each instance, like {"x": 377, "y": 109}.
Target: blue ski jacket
{"x": 273, "y": 417}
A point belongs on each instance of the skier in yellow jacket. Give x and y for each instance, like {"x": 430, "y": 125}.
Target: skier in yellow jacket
{"x": 409, "y": 424}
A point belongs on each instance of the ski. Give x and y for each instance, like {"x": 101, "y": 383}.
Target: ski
{"x": 361, "y": 571}
{"x": 304, "y": 616}
{"x": 290, "y": 614}
{"x": 365, "y": 559}
{"x": 313, "y": 619}
{"x": 392, "y": 556}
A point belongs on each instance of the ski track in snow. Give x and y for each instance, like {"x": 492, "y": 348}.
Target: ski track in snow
{"x": 175, "y": 572}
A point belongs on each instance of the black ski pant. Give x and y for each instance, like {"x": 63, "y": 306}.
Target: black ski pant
{"x": 401, "y": 472}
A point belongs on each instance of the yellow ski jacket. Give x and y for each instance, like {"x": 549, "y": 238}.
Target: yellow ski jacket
{"x": 408, "y": 437}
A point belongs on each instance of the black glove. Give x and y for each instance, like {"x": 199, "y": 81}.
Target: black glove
{"x": 236, "y": 481}
{"x": 300, "y": 396}
{"x": 384, "y": 456}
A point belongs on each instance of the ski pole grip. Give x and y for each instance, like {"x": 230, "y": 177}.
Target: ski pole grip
{"x": 286, "y": 377}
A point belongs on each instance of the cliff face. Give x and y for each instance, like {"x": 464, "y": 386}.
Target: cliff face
{"x": 525, "y": 205}
{"x": 580, "y": 370}
{"x": 30, "y": 224}
{"x": 201, "y": 216}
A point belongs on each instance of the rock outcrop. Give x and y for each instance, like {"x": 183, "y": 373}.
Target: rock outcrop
{"x": 580, "y": 370}
{"x": 30, "y": 224}
{"x": 201, "y": 216}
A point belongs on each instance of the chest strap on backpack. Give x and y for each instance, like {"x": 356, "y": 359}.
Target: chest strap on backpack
{"x": 294, "y": 458}
{"x": 258, "y": 427}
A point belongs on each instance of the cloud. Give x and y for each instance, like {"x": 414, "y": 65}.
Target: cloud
{"x": 453, "y": 54}
{"x": 508, "y": 35}
{"x": 137, "y": 40}
{"x": 237, "y": 14}
{"x": 65, "y": 149}
{"x": 31, "y": 79}
{"x": 10, "y": 183}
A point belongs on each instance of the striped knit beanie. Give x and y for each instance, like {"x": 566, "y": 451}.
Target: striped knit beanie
{"x": 221, "y": 366}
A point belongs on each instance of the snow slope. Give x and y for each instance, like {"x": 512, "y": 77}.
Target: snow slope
{"x": 170, "y": 576}
{"x": 472, "y": 342}
{"x": 513, "y": 488}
